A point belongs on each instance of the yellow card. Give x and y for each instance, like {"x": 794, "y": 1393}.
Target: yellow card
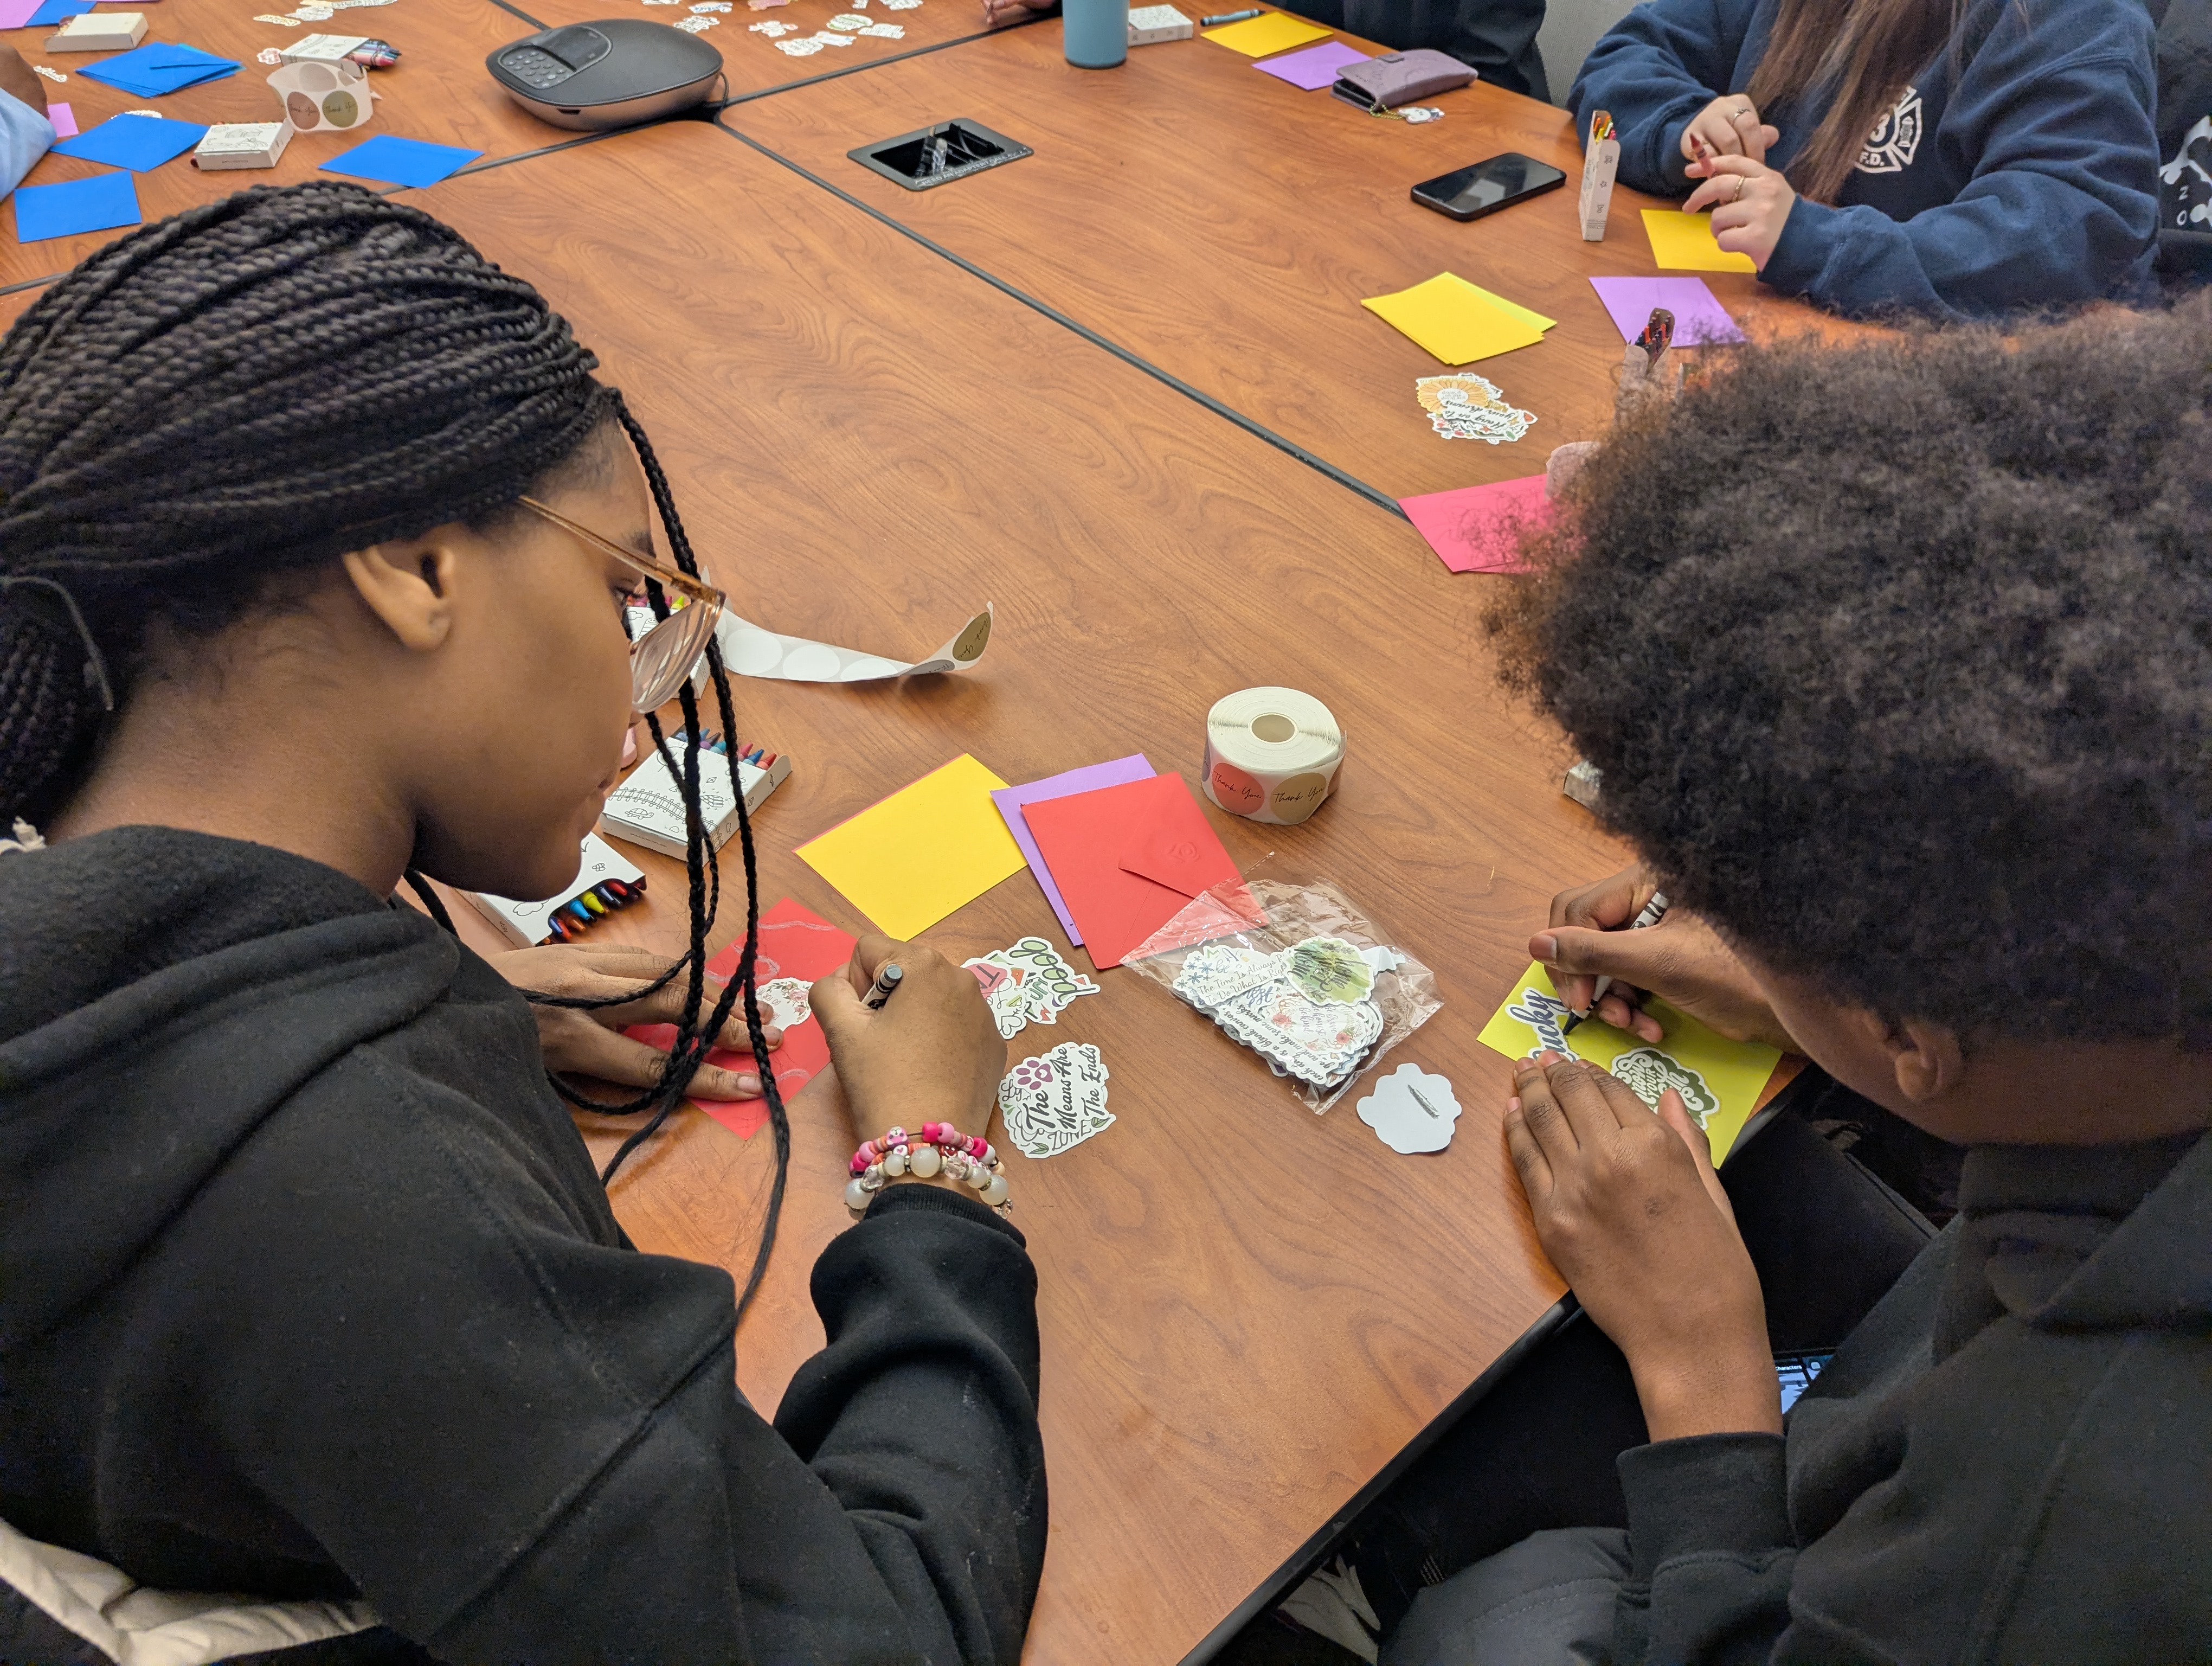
{"x": 1456, "y": 321}
{"x": 1684, "y": 243}
{"x": 926, "y": 851}
{"x": 1526, "y": 315}
{"x": 1719, "y": 1080}
{"x": 1263, "y": 37}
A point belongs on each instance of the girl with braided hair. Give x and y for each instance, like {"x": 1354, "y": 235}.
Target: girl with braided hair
{"x": 308, "y": 1293}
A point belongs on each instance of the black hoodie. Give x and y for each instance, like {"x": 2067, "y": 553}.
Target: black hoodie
{"x": 2008, "y": 1460}
{"x": 309, "y": 1292}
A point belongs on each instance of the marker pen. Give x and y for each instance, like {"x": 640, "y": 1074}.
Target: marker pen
{"x": 1654, "y": 912}
{"x": 887, "y": 984}
{"x": 1229, "y": 17}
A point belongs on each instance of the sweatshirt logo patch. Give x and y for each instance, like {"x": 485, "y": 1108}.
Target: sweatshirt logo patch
{"x": 1896, "y": 137}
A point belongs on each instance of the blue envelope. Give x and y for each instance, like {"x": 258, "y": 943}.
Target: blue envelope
{"x": 399, "y": 161}
{"x": 138, "y": 142}
{"x": 56, "y": 11}
{"x": 160, "y": 67}
{"x": 99, "y": 204}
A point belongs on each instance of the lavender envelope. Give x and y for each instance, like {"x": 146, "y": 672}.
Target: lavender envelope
{"x": 1699, "y": 317}
{"x": 1313, "y": 68}
{"x": 1010, "y": 801}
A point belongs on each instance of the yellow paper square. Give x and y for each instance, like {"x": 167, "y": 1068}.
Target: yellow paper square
{"x": 1684, "y": 243}
{"x": 1526, "y": 315}
{"x": 928, "y": 850}
{"x": 1455, "y": 320}
{"x": 1263, "y": 37}
{"x": 1720, "y": 1079}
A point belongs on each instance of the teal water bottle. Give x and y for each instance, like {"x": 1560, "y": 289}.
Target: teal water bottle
{"x": 1094, "y": 34}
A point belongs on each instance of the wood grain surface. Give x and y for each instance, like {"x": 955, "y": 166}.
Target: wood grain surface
{"x": 752, "y": 62}
{"x": 438, "y": 92}
{"x": 1246, "y": 1309}
{"x": 1225, "y": 225}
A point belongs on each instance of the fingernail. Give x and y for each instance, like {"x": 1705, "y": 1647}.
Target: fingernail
{"x": 1546, "y": 947}
{"x": 748, "y": 1086}
{"x": 1513, "y": 1106}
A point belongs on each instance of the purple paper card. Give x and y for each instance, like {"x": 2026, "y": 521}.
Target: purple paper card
{"x": 1700, "y": 318}
{"x": 1313, "y": 68}
{"x": 1010, "y": 801}
{"x": 14, "y": 13}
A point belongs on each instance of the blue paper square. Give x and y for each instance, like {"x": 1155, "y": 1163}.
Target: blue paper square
{"x": 55, "y": 11}
{"x": 160, "y": 67}
{"x": 138, "y": 142}
{"x": 99, "y": 204}
{"x": 399, "y": 161}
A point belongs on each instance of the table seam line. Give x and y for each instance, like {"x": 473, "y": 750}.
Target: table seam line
{"x": 517, "y": 11}
{"x": 1258, "y": 429}
{"x": 870, "y": 63}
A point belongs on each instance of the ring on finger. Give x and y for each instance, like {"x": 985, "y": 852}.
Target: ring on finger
{"x": 1738, "y": 197}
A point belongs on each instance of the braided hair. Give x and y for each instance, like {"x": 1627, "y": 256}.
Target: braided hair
{"x": 172, "y": 437}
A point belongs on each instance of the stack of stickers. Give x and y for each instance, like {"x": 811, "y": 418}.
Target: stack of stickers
{"x": 1310, "y": 1010}
{"x": 1057, "y": 1100}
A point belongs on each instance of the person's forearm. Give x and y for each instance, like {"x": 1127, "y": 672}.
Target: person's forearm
{"x": 931, "y": 1308}
{"x": 1730, "y": 1388}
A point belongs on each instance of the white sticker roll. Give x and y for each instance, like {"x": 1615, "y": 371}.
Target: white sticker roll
{"x": 1271, "y": 754}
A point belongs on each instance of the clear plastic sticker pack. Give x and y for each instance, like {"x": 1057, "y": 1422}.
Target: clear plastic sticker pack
{"x": 1297, "y": 974}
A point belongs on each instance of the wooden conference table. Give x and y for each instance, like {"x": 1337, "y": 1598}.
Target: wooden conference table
{"x": 1124, "y": 391}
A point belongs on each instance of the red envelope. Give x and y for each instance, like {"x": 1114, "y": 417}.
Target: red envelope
{"x": 794, "y": 942}
{"x": 1127, "y": 859}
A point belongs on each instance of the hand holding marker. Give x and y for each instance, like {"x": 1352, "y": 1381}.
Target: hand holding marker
{"x": 1654, "y": 912}
{"x": 886, "y": 983}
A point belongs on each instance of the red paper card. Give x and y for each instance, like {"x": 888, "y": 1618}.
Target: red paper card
{"x": 1108, "y": 851}
{"x": 794, "y": 942}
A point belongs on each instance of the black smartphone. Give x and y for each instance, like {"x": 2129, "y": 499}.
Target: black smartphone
{"x": 1468, "y": 193}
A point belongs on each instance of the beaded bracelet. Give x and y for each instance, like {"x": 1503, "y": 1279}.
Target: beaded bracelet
{"x": 936, "y": 1148}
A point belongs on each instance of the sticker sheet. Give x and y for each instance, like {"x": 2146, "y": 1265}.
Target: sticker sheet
{"x": 1719, "y": 1080}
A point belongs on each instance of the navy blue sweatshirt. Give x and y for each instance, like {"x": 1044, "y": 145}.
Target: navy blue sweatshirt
{"x": 2019, "y": 169}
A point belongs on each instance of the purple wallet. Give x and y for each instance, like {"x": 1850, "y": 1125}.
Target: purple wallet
{"x": 1396, "y": 78}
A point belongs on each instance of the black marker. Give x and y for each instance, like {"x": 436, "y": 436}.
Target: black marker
{"x": 887, "y": 980}
{"x": 1654, "y": 912}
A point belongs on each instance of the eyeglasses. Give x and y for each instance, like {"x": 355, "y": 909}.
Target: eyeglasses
{"x": 663, "y": 657}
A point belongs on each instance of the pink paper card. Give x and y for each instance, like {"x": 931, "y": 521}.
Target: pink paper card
{"x": 1313, "y": 68}
{"x": 64, "y": 120}
{"x": 1700, "y": 320}
{"x": 14, "y": 13}
{"x": 1477, "y": 529}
